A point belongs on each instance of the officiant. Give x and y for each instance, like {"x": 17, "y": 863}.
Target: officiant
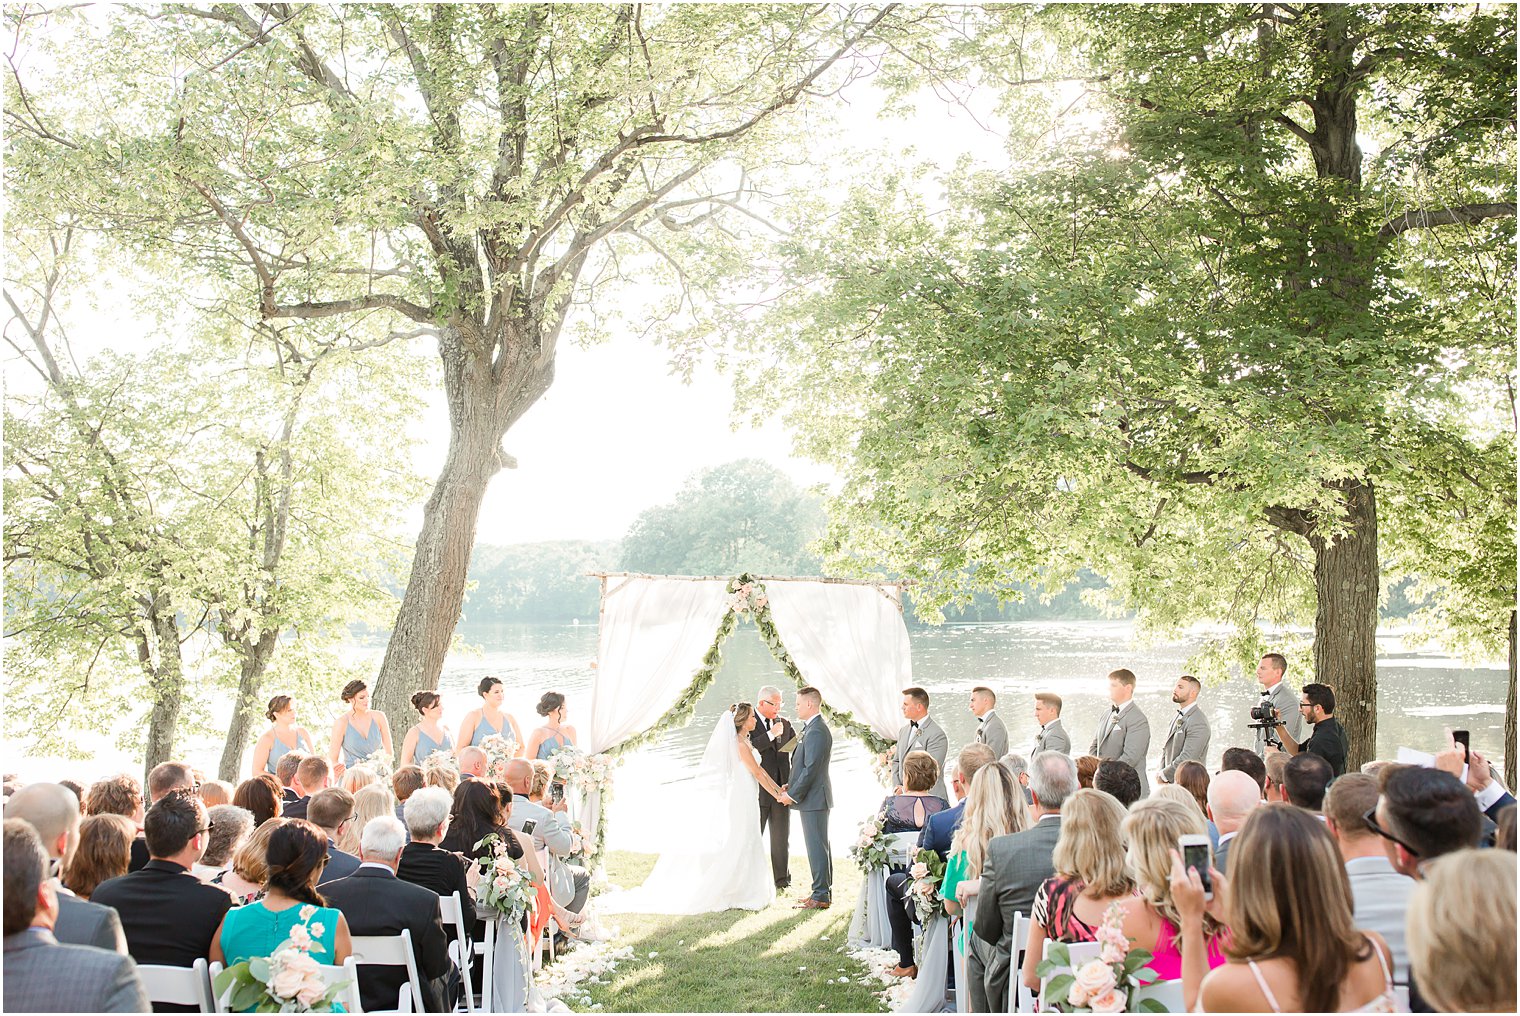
{"x": 774, "y": 737}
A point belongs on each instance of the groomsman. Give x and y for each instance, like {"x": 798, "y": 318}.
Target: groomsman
{"x": 990, "y": 729}
{"x": 772, "y": 733}
{"x": 1187, "y": 740}
{"x": 920, "y": 733}
{"x": 1270, "y": 672}
{"x": 1052, "y": 736}
{"x": 1125, "y": 733}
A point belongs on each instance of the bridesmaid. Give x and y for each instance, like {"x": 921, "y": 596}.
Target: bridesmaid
{"x": 283, "y": 737}
{"x": 360, "y": 732}
{"x": 489, "y": 720}
{"x": 428, "y": 736}
{"x": 554, "y": 734}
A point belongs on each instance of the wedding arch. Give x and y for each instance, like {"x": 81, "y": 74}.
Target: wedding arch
{"x": 660, "y": 644}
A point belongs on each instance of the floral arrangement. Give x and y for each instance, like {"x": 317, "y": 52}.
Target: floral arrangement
{"x": 1105, "y": 984}
{"x": 504, "y": 886}
{"x": 881, "y": 767}
{"x": 575, "y": 768}
{"x": 870, "y": 849}
{"x": 748, "y": 598}
{"x": 288, "y": 980}
{"x": 378, "y": 762}
{"x": 500, "y": 749}
{"x": 927, "y": 872}
{"x": 438, "y": 762}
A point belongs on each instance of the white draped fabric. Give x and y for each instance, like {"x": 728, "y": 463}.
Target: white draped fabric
{"x": 849, "y": 642}
{"x": 933, "y": 965}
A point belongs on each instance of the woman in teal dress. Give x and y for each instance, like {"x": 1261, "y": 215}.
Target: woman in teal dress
{"x": 359, "y": 732}
{"x": 297, "y": 854}
{"x": 489, "y": 720}
{"x": 994, "y": 807}
{"x": 555, "y": 733}
{"x": 428, "y": 736}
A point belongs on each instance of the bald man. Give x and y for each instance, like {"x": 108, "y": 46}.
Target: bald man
{"x": 1233, "y": 795}
{"x": 472, "y": 763}
{"x": 53, "y": 811}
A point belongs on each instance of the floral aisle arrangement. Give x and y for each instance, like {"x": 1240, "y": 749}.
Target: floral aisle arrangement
{"x": 504, "y": 886}
{"x": 881, "y": 767}
{"x": 500, "y": 749}
{"x": 927, "y": 872}
{"x": 870, "y": 849}
{"x": 748, "y": 598}
{"x": 288, "y": 980}
{"x": 575, "y": 768}
{"x": 1106, "y": 984}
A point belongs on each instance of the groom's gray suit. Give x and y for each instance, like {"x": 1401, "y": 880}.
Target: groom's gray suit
{"x": 814, "y": 794}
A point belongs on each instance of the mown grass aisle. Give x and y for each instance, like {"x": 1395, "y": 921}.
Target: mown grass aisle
{"x": 774, "y": 960}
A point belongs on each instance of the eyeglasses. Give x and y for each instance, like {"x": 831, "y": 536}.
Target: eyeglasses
{"x": 1370, "y": 817}
{"x": 1306, "y": 705}
{"x": 209, "y": 826}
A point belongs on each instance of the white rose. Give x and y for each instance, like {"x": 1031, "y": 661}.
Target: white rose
{"x": 919, "y": 870}
{"x": 1108, "y": 1001}
{"x": 312, "y": 991}
{"x": 1095, "y": 977}
{"x": 1077, "y": 996}
{"x": 288, "y": 981}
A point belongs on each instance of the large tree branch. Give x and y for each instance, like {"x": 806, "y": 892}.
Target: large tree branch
{"x": 1427, "y": 218}
{"x": 337, "y": 308}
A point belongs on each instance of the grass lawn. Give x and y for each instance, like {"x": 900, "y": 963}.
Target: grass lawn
{"x": 774, "y": 960}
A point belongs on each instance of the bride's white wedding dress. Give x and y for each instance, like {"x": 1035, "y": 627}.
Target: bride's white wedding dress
{"x": 716, "y": 859}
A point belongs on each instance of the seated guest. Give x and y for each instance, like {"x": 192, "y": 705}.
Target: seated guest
{"x": 940, "y": 828}
{"x": 162, "y": 779}
{"x": 1017, "y": 865}
{"x": 1305, "y": 778}
{"x": 1194, "y": 778}
{"x": 1461, "y": 931}
{"x": 312, "y": 774}
{"x": 244, "y": 878}
{"x": 424, "y": 862}
{"x": 1292, "y": 946}
{"x": 116, "y": 795}
{"x": 54, "y": 813}
{"x": 1504, "y": 831}
{"x": 230, "y": 826}
{"x": 551, "y": 833}
{"x": 1423, "y": 814}
{"x": 1246, "y": 761}
{"x": 1275, "y": 762}
{"x": 357, "y": 778}
{"x": 104, "y": 851}
{"x": 994, "y": 807}
{"x": 476, "y": 814}
{"x": 260, "y": 795}
{"x": 297, "y": 851}
{"x": 332, "y": 811}
{"x": 376, "y": 902}
{"x": 1119, "y": 780}
{"x": 406, "y": 782}
{"x": 1091, "y": 873}
{"x": 40, "y": 974}
{"x": 543, "y": 775}
{"x": 215, "y": 792}
{"x": 285, "y": 772}
{"x": 73, "y": 788}
{"x": 1087, "y": 768}
{"x": 1233, "y": 795}
{"x": 441, "y": 771}
{"x": 472, "y": 763}
{"x": 169, "y": 915}
{"x": 1151, "y": 919}
{"x": 1018, "y": 766}
{"x": 370, "y": 801}
{"x": 909, "y": 810}
{"x": 1379, "y": 894}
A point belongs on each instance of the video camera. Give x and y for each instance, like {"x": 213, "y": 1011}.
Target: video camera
{"x": 1263, "y": 713}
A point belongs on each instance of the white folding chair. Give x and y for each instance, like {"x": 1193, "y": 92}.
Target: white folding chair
{"x": 1080, "y": 953}
{"x": 348, "y": 997}
{"x": 902, "y": 848}
{"x": 1168, "y": 993}
{"x": 451, "y": 910}
{"x": 179, "y": 985}
{"x": 1020, "y": 998}
{"x": 392, "y": 951}
{"x": 486, "y": 950}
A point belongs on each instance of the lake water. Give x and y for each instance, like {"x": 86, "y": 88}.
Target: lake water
{"x": 1421, "y": 695}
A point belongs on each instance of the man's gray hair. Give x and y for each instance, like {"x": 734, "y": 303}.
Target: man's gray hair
{"x": 383, "y": 837}
{"x": 426, "y": 810}
{"x": 1015, "y": 764}
{"x": 229, "y": 825}
{"x": 1052, "y": 779}
{"x": 767, "y": 691}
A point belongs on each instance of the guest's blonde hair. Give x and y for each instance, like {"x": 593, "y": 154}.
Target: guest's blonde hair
{"x": 1090, "y": 848}
{"x": 543, "y": 772}
{"x": 251, "y": 860}
{"x": 357, "y": 778}
{"x": 372, "y": 801}
{"x": 441, "y": 769}
{"x": 1172, "y": 792}
{"x": 1460, "y": 927}
{"x": 1151, "y": 829}
{"x": 994, "y": 807}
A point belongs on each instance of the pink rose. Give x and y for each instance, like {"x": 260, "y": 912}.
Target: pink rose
{"x": 311, "y": 993}
{"x": 1077, "y": 996}
{"x": 1112, "y": 953}
{"x": 1109, "y": 1001}
{"x": 288, "y": 981}
{"x": 1095, "y": 977}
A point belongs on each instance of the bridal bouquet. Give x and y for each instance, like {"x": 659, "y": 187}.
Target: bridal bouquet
{"x": 870, "y": 849}
{"x": 288, "y": 980}
{"x": 1105, "y": 984}
{"x": 499, "y": 751}
{"x": 927, "y": 872}
{"x": 575, "y": 768}
{"x": 378, "y": 762}
{"x": 503, "y": 885}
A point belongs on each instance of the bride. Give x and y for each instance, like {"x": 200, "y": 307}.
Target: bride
{"x": 720, "y": 862}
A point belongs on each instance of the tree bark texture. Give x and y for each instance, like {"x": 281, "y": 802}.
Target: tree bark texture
{"x": 158, "y": 652}
{"x": 1345, "y": 621}
{"x": 1509, "y": 711}
{"x": 255, "y": 661}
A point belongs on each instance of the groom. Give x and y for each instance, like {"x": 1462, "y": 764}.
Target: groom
{"x": 812, "y": 795}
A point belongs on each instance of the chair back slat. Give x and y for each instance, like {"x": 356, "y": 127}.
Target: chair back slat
{"x": 390, "y": 951}
{"x": 178, "y": 985}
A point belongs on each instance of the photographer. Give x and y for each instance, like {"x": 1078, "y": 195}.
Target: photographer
{"x": 1328, "y": 740}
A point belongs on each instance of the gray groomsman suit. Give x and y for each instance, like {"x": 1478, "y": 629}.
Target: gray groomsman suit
{"x": 43, "y": 976}
{"x": 1052, "y": 737}
{"x": 1126, "y": 737}
{"x": 925, "y": 736}
{"x": 1285, "y": 699}
{"x": 814, "y": 794}
{"x": 81, "y": 922}
{"x": 1187, "y": 740}
{"x": 1012, "y": 872}
{"x": 993, "y": 734}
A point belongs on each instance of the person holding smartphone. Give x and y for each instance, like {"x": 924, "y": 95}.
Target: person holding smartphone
{"x": 1317, "y": 706}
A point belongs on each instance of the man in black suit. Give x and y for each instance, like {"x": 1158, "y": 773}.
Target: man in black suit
{"x": 772, "y": 733}
{"x": 169, "y": 915}
{"x": 163, "y": 778}
{"x": 331, "y": 810}
{"x": 53, "y": 811}
{"x": 285, "y": 772}
{"x": 376, "y": 902}
{"x": 312, "y": 775}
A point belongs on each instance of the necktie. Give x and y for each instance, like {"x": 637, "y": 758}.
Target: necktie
{"x": 768, "y": 723}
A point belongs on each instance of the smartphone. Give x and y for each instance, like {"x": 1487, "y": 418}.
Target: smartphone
{"x": 556, "y": 792}
{"x": 1196, "y": 854}
{"x": 528, "y": 826}
{"x": 1461, "y": 737}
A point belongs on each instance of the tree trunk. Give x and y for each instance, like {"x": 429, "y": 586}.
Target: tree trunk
{"x": 160, "y": 658}
{"x": 1345, "y": 622}
{"x": 256, "y": 657}
{"x": 1509, "y": 711}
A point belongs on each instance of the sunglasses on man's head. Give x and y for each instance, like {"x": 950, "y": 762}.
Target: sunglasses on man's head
{"x": 1370, "y": 817}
